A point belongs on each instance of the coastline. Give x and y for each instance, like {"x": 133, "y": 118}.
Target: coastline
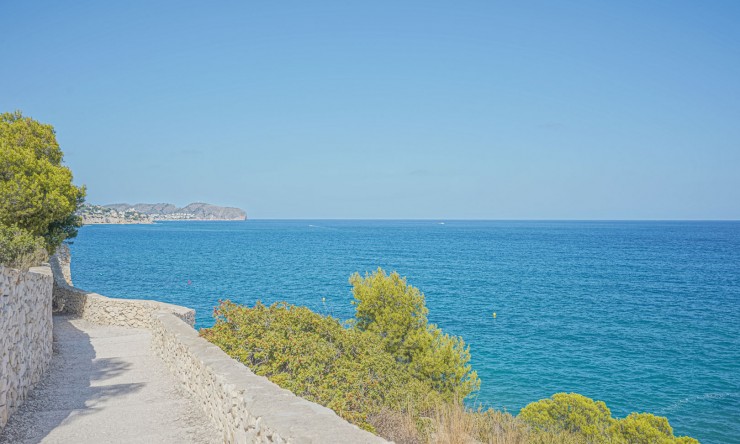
{"x": 124, "y": 214}
{"x": 155, "y": 221}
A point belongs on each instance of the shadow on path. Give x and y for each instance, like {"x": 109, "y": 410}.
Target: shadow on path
{"x": 72, "y": 387}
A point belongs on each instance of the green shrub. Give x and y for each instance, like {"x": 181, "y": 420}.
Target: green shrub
{"x": 646, "y": 428}
{"x": 592, "y": 420}
{"x": 395, "y": 313}
{"x": 315, "y": 357}
{"x": 570, "y": 412}
{"x": 20, "y": 249}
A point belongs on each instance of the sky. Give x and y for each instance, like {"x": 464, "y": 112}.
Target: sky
{"x": 388, "y": 109}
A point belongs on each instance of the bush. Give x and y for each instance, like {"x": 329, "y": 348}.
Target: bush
{"x": 315, "y": 357}
{"x": 20, "y": 249}
{"x": 570, "y": 412}
{"x": 450, "y": 423}
{"x": 592, "y": 420}
{"x": 396, "y": 314}
{"x": 645, "y": 428}
{"x": 36, "y": 191}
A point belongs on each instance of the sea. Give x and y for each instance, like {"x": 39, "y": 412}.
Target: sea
{"x": 642, "y": 315}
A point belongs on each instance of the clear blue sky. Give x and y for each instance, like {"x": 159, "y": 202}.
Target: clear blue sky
{"x": 294, "y": 109}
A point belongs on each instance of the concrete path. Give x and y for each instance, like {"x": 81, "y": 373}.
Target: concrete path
{"x": 106, "y": 386}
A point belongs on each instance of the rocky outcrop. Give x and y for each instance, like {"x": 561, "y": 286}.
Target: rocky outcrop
{"x": 208, "y": 211}
{"x": 152, "y": 209}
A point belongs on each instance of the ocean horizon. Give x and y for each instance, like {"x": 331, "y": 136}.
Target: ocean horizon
{"x": 644, "y": 315}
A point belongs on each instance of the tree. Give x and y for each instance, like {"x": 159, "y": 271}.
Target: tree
{"x": 592, "y": 421}
{"x": 646, "y": 428}
{"x": 37, "y": 196}
{"x": 395, "y": 312}
{"x": 570, "y": 412}
{"x": 19, "y": 249}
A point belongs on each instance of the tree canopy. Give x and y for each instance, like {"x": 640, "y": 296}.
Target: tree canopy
{"x": 395, "y": 312}
{"x": 37, "y": 197}
{"x": 592, "y": 420}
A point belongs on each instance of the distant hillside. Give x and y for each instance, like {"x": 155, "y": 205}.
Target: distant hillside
{"x": 194, "y": 211}
{"x": 96, "y": 214}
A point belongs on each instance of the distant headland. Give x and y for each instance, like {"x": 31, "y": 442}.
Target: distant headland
{"x": 143, "y": 213}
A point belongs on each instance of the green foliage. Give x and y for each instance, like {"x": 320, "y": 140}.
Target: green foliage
{"x": 315, "y": 357}
{"x": 394, "y": 373}
{"x": 20, "y": 249}
{"x": 592, "y": 420}
{"x": 28, "y": 134}
{"x": 645, "y": 428}
{"x": 395, "y": 313}
{"x": 37, "y": 195}
{"x": 570, "y": 412}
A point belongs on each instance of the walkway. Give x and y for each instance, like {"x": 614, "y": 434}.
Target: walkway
{"x": 106, "y": 386}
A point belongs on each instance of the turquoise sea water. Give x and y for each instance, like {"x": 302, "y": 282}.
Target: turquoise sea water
{"x": 642, "y": 315}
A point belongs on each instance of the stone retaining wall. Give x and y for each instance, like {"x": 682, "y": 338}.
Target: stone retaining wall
{"x": 247, "y": 407}
{"x": 101, "y": 309}
{"x": 25, "y": 334}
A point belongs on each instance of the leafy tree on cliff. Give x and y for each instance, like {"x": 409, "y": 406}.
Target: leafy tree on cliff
{"x": 315, "y": 357}
{"x": 395, "y": 312}
{"x": 37, "y": 197}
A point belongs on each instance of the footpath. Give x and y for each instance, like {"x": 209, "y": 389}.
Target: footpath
{"x": 105, "y": 385}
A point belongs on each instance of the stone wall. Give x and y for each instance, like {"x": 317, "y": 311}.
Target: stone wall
{"x": 101, "y": 309}
{"x": 247, "y": 407}
{"x": 25, "y": 334}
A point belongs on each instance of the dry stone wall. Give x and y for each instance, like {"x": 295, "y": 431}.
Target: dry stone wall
{"x": 248, "y": 408}
{"x": 123, "y": 312}
{"x": 101, "y": 309}
{"x": 25, "y": 334}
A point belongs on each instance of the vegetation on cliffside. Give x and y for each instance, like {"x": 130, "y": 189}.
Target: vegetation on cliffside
{"x": 385, "y": 360}
{"x": 390, "y": 371}
{"x": 592, "y": 421}
{"x": 37, "y": 197}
